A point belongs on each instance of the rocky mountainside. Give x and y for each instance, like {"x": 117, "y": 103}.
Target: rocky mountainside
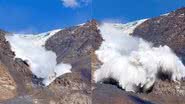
{"x": 77, "y": 46}
{"x": 167, "y": 29}
{"x": 23, "y": 87}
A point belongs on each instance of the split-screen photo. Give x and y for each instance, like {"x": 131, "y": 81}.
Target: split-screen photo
{"x": 92, "y": 52}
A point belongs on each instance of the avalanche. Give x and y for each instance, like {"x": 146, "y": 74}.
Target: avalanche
{"x": 42, "y": 62}
{"x": 132, "y": 61}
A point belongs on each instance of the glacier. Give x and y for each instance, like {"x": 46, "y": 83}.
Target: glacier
{"x": 133, "y": 62}
{"x": 42, "y": 62}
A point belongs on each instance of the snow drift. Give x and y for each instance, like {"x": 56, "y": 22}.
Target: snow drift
{"x": 42, "y": 62}
{"x": 132, "y": 61}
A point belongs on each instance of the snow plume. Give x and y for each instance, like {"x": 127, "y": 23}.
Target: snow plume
{"x": 42, "y": 62}
{"x": 132, "y": 61}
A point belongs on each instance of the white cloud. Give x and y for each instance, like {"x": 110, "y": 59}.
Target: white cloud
{"x": 70, "y": 3}
{"x": 75, "y": 3}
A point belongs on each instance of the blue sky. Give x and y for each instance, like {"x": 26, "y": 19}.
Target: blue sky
{"x": 34, "y": 16}
{"x": 130, "y": 10}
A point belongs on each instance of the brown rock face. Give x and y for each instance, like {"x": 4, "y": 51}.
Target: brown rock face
{"x": 75, "y": 42}
{"x": 109, "y": 94}
{"x": 7, "y": 84}
{"x": 71, "y": 89}
{"x": 169, "y": 88}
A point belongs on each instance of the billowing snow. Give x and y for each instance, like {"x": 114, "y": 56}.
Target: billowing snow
{"x": 133, "y": 61}
{"x": 42, "y": 62}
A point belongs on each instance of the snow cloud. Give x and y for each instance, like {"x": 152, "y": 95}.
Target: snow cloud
{"x": 75, "y": 3}
{"x": 132, "y": 61}
{"x": 42, "y": 62}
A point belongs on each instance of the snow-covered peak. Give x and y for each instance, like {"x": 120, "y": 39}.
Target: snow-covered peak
{"x": 39, "y": 39}
{"x": 126, "y": 28}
